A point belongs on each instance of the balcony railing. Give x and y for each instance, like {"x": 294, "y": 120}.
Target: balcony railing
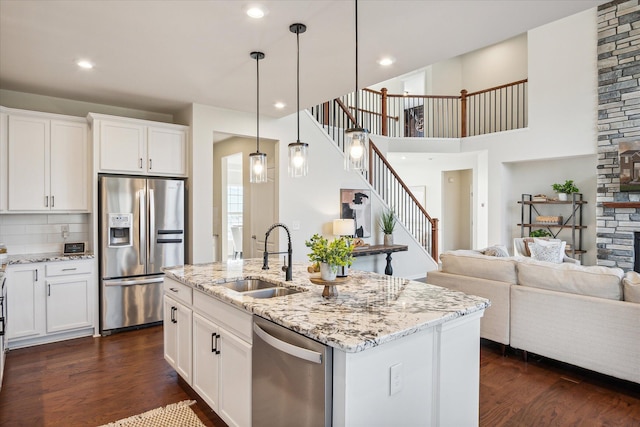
{"x": 497, "y": 109}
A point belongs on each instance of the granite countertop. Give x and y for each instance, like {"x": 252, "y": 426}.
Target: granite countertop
{"x": 370, "y": 308}
{"x": 44, "y": 257}
{"x": 33, "y": 258}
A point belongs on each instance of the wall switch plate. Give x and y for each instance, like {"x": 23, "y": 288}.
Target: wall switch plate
{"x": 396, "y": 379}
{"x": 295, "y": 225}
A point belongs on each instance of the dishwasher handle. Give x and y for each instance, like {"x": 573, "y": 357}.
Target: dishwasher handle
{"x": 295, "y": 351}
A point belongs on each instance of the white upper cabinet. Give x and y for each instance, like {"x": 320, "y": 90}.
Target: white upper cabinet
{"x": 122, "y": 147}
{"x": 47, "y": 166}
{"x": 139, "y": 147}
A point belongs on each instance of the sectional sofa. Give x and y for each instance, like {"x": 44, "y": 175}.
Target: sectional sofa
{"x": 588, "y": 316}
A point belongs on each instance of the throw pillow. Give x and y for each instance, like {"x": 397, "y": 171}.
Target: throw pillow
{"x": 549, "y": 253}
{"x": 631, "y": 285}
{"x": 496, "y": 250}
{"x": 549, "y": 242}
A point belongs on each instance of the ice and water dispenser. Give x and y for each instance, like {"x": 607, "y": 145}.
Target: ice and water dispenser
{"x": 120, "y": 230}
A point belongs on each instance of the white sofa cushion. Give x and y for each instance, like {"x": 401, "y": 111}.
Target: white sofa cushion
{"x": 596, "y": 281}
{"x": 631, "y": 285}
{"x": 474, "y": 264}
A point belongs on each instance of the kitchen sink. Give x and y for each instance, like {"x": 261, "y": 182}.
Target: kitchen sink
{"x": 271, "y": 292}
{"x": 245, "y": 285}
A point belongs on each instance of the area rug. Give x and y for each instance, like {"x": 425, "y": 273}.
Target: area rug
{"x": 174, "y": 415}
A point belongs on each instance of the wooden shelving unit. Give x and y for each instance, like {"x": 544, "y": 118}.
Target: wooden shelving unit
{"x": 530, "y": 208}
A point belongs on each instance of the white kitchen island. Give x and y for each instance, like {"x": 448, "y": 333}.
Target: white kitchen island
{"x": 404, "y": 353}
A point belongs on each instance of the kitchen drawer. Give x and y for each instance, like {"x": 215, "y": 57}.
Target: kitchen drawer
{"x": 236, "y": 320}
{"x": 177, "y": 290}
{"x": 64, "y": 268}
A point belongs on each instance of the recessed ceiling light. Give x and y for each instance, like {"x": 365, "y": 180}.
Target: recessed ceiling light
{"x": 83, "y": 63}
{"x": 256, "y": 11}
{"x": 385, "y": 62}
{"x": 279, "y": 105}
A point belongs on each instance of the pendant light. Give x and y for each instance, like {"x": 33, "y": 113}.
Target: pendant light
{"x": 298, "y": 151}
{"x": 357, "y": 137}
{"x": 257, "y": 160}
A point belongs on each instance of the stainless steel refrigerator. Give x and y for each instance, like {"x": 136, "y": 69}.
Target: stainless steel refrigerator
{"x": 141, "y": 230}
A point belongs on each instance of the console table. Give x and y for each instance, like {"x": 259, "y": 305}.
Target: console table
{"x": 380, "y": 249}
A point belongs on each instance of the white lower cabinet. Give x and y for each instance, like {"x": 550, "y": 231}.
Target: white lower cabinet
{"x": 222, "y": 371}
{"x": 25, "y": 302}
{"x": 49, "y": 302}
{"x": 68, "y": 304}
{"x": 206, "y": 363}
{"x": 220, "y": 352}
{"x": 235, "y": 380}
{"x": 177, "y": 337}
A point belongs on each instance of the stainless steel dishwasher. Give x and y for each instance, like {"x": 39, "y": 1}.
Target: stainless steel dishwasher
{"x": 292, "y": 378}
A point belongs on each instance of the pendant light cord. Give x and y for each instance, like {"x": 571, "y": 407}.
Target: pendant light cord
{"x": 298, "y": 81}
{"x": 357, "y": 95}
{"x": 258, "y": 103}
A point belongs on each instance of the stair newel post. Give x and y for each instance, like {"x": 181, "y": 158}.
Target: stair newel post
{"x": 463, "y": 113}
{"x": 385, "y": 131}
{"x": 434, "y": 239}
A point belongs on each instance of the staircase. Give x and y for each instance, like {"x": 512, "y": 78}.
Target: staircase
{"x": 334, "y": 117}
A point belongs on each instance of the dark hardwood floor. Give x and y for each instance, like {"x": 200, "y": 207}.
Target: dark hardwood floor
{"x": 92, "y": 381}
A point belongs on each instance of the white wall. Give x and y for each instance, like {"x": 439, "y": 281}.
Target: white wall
{"x": 562, "y": 77}
{"x": 495, "y": 65}
{"x": 50, "y": 104}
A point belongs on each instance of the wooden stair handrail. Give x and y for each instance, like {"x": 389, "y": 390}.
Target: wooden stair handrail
{"x": 432, "y": 221}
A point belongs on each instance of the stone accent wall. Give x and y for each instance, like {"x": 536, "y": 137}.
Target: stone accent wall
{"x": 618, "y": 121}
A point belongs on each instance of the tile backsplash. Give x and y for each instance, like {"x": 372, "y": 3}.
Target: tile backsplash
{"x": 41, "y": 233}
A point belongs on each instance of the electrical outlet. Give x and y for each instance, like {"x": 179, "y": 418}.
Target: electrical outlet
{"x": 295, "y": 225}
{"x": 65, "y": 230}
{"x": 396, "y": 379}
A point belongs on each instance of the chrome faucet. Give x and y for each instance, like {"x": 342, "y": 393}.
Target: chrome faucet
{"x": 289, "y": 267}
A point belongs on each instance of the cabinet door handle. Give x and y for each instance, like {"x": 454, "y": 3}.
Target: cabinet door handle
{"x": 150, "y": 164}
{"x": 49, "y": 290}
{"x": 175, "y": 318}
{"x": 46, "y": 201}
{"x": 53, "y": 201}
{"x": 36, "y": 271}
{"x": 213, "y": 343}
{"x": 140, "y": 162}
{"x": 217, "y": 349}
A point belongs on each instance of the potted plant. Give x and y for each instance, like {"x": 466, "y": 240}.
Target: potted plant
{"x": 564, "y": 189}
{"x": 330, "y": 255}
{"x": 388, "y": 224}
{"x": 539, "y": 233}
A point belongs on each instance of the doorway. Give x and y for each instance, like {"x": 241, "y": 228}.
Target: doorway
{"x": 239, "y": 203}
{"x": 457, "y": 209}
{"x": 232, "y": 207}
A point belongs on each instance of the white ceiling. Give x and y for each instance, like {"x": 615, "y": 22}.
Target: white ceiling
{"x": 162, "y": 55}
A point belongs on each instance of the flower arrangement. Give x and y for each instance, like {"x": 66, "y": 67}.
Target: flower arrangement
{"x": 336, "y": 253}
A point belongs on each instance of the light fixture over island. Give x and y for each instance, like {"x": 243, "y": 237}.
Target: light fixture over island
{"x": 403, "y": 352}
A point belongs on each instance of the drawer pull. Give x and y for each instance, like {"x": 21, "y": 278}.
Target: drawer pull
{"x": 174, "y": 290}
{"x": 70, "y": 269}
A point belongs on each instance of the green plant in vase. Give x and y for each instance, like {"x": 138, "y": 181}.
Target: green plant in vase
{"x": 539, "y": 233}
{"x": 330, "y": 255}
{"x": 387, "y": 224}
{"x": 565, "y": 189}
